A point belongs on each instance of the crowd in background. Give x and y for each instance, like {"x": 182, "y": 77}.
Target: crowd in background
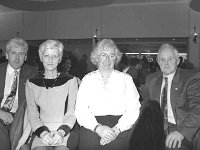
{"x": 79, "y": 68}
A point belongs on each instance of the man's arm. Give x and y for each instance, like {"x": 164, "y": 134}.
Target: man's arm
{"x": 189, "y": 126}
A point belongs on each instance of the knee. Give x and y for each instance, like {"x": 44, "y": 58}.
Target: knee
{"x": 74, "y": 138}
{"x": 88, "y": 140}
{"x": 4, "y": 138}
{"x": 196, "y": 140}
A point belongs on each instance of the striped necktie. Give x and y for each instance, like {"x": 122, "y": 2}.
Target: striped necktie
{"x": 164, "y": 107}
{"x": 11, "y": 97}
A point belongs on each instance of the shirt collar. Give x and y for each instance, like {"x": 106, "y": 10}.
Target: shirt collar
{"x": 170, "y": 77}
{"x": 10, "y": 70}
{"x": 99, "y": 74}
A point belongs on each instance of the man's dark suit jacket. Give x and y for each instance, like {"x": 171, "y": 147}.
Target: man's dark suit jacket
{"x": 184, "y": 97}
{"x": 17, "y": 125}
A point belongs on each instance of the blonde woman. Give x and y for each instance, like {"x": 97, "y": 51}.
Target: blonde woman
{"x": 50, "y": 101}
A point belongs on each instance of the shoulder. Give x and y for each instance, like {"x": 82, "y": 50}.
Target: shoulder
{"x": 90, "y": 75}
{"x": 186, "y": 75}
{"x": 3, "y": 65}
{"x": 36, "y": 79}
{"x": 121, "y": 75}
{"x": 63, "y": 78}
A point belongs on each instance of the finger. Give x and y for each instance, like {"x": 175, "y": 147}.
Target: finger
{"x": 109, "y": 138}
{"x": 174, "y": 143}
{"x": 48, "y": 139}
{"x": 5, "y": 122}
{"x": 167, "y": 141}
{"x": 9, "y": 118}
{"x": 111, "y": 133}
{"x": 53, "y": 140}
{"x": 59, "y": 141}
{"x": 44, "y": 141}
{"x": 179, "y": 143}
{"x": 170, "y": 144}
{"x": 103, "y": 142}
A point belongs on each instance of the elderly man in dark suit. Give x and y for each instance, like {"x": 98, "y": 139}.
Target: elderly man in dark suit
{"x": 182, "y": 109}
{"x": 13, "y": 76}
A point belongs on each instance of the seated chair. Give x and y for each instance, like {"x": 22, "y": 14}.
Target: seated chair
{"x": 148, "y": 131}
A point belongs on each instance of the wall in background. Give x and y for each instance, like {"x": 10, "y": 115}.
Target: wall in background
{"x": 149, "y": 20}
{"x": 113, "y": 21}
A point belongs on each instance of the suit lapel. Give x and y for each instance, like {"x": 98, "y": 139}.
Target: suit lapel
{"x": 22, "y": 82}
{"x": 174, "y": 90}
{"x": 2, "y": 80}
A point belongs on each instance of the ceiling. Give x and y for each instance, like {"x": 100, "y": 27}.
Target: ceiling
{"x": 42, "y": 5}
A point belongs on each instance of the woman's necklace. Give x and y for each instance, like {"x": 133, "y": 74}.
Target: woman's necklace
{"x": 48, "y": 82}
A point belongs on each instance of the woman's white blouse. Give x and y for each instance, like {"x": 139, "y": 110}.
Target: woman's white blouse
{"x": 118, "y": 97}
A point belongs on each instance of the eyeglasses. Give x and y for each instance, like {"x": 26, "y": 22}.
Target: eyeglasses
{"x": 104, "y": 56}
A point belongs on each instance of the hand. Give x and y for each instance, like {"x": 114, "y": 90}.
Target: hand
{"x": 57, "y": 137}
{"x": 104, "y": 141}
{"x": 173, "y": 139}
{"x": 6, "y": 117}
{"x": 116, "y": 130}
{"x": 106, "y": 133}
{"x": 46, "y": 138}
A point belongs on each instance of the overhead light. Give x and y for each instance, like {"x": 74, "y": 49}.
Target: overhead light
{"x": 96, "y": 36}
{"x": 181, "y": 54}
{"x": 195, "y": 34}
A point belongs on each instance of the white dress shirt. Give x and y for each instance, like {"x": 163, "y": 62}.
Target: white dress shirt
{"x": 118, "y": 97}
{"x": 7, "y": 89}
{"x": 170, "y": 112}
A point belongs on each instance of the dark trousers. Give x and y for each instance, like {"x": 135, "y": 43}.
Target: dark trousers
{"x": 4, "y": 136}
{"x": 91, "y": 141}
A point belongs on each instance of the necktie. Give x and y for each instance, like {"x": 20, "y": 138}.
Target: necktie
{"x": 164, "y": 107}
{"x": 11, "y": 97}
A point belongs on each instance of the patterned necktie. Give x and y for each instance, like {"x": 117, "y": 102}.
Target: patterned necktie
{"x": 164, "y": 107}
{"x": 11, "y": 97}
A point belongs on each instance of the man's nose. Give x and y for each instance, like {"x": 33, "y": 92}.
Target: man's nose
{"x": 17, "y": 56}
